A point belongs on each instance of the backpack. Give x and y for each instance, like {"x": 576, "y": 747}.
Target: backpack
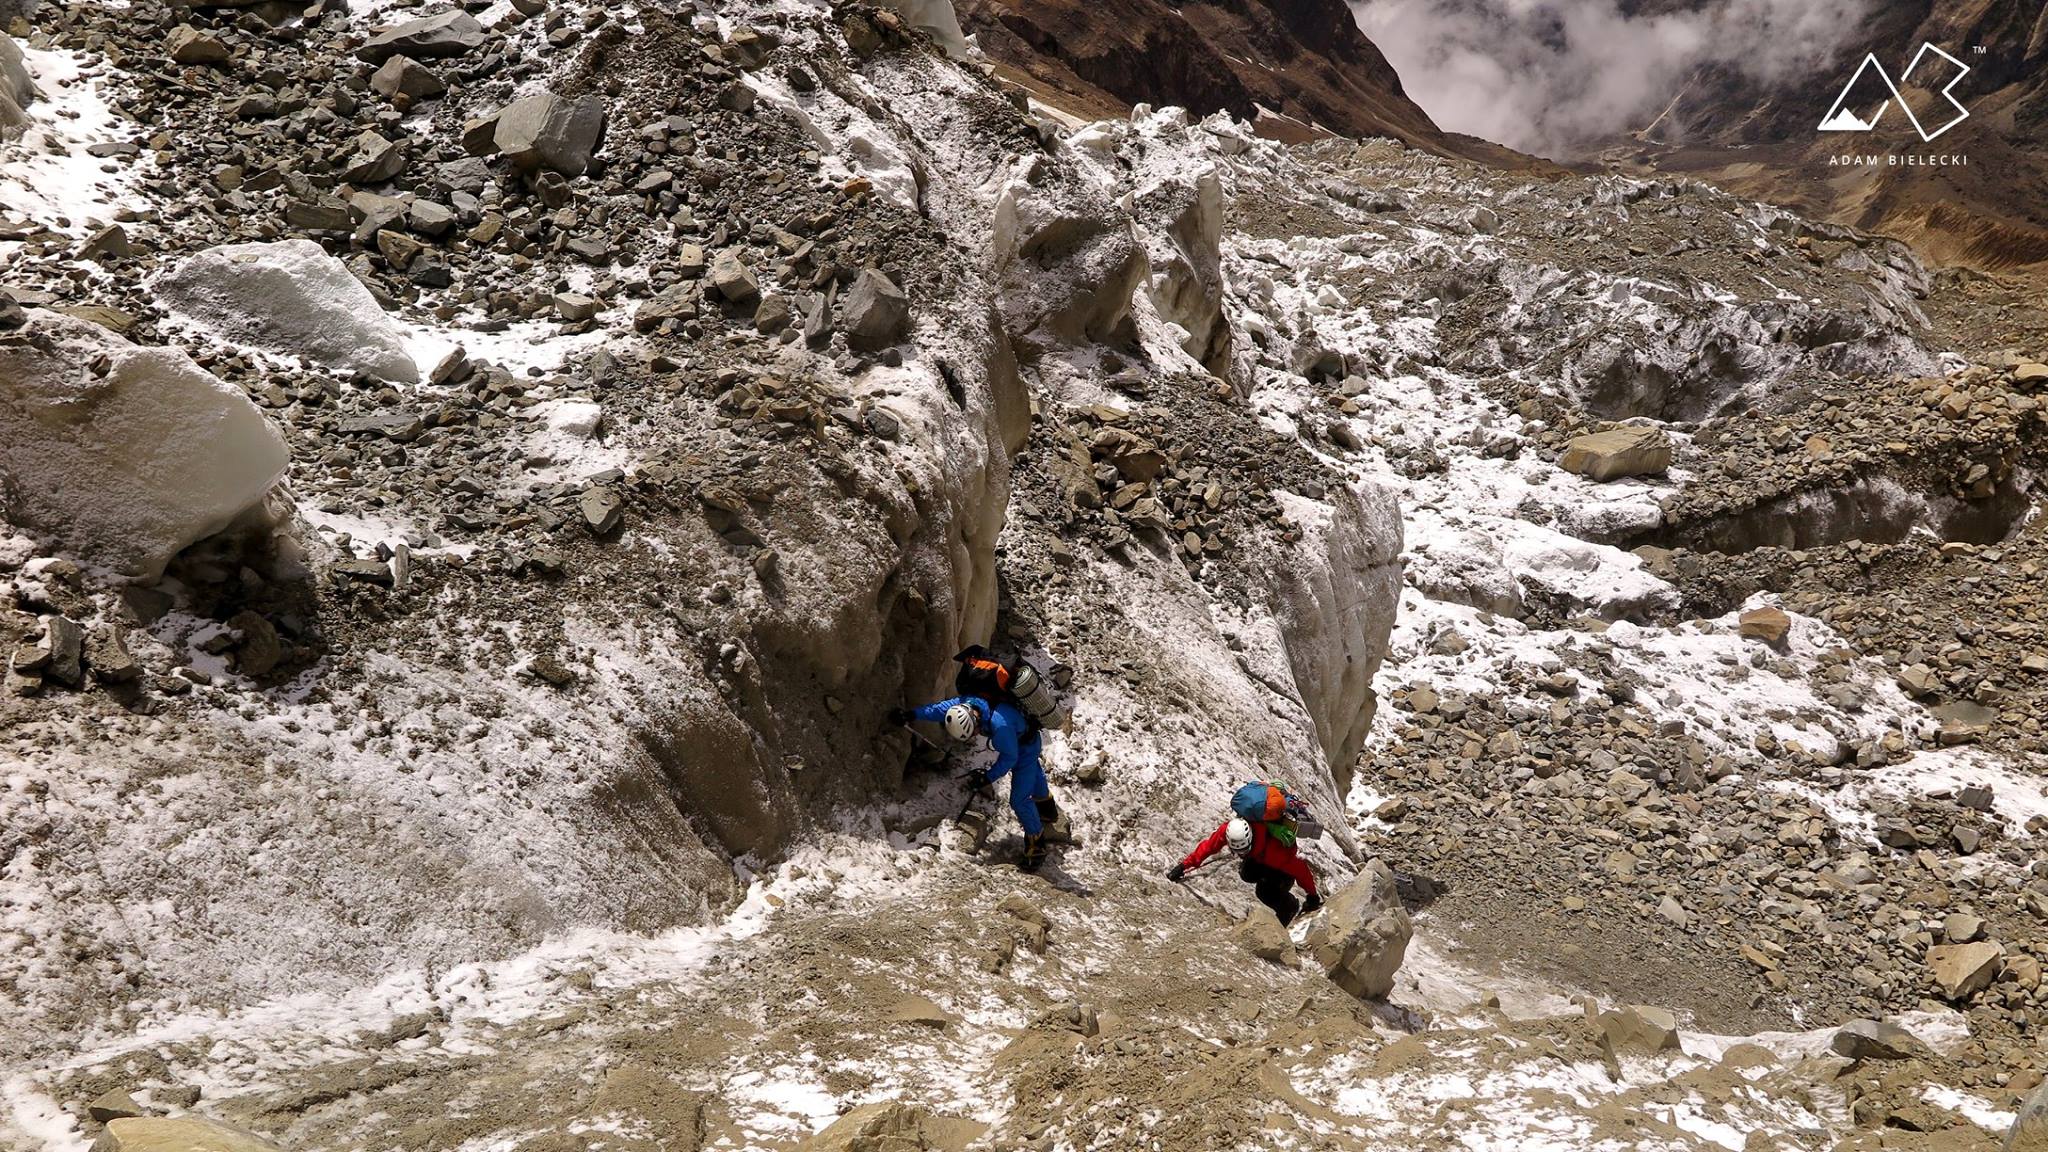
{"x": 1006, "y": 679}
{"x": 1284, "y": 814}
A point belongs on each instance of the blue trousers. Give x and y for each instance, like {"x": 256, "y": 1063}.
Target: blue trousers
{"x": 1028, "y": 786}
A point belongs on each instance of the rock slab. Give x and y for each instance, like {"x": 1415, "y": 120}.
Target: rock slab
{"x": 177, "y": 1134}
{"x": 891, "y": 1126}
{"x": 1766, "y": 624}
{"x": 1617, "y": 453}
{"x": 453, "y": 33}
{"x": 1963, "y": 970}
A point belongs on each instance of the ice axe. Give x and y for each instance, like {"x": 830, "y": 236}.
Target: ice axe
{"x": 979, "y": 828}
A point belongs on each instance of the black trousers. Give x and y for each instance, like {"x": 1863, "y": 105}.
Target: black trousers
{"x": 1275, "y": 889}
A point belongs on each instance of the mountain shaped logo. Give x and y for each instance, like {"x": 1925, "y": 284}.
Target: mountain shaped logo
{"x": 1843, "y": 118}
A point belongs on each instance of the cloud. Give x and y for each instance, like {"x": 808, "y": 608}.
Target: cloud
{"x": 1551, "y": 76}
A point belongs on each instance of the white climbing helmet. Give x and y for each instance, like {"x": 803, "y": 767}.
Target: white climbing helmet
{"x": 1239, "y": 834}
{"x": 961, "y": 722}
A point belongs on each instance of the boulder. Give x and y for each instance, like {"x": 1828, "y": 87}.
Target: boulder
{"x": 877, "y": 313}
{"x": 919, "y": 1010}
{"x": 113, "y": 1104}
{"x": 375, "y": 159}
{"x": 733, "y": 280}
{"x": 547, "y": 131}
{"x": 177, "y": 1134}
{"x": 935, "y": 18}
{"x": 259, "y": 650}
{"x": 454, "y": 33}
{"x": 1963, "y": 970}
{"x": 1263, "y": 936}
{"x": 1363, "y": 935}
{"x": 1766, "y": 624}
{"x": 1640, "y": 1028}
{"x": 1069, "y": 1016}
{"x": 15, "y": 83}
{"x": 13, "y": 121}
{"x": 602, "y": 510}
{"x": 1875, "y": 1040}
{"x": 891, "y": 1126}
{"x": 1617, "y": 452}
{"x": 2029, "y": 1132}
{"x": 188, "y": 45}
{"x": 64, "y": 645}
{"x": 1961, "y": 928}
{"x": 405, "y": 76}
{"x": 289, "y": 297}
{"x": 125, "y": 454}
{"x": 107, "y": 652}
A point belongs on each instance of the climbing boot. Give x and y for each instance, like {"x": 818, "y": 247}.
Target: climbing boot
{"x": 1058, "y": 829}
{"x": 1034, "y": 854}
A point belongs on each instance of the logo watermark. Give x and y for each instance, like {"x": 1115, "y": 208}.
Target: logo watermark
{"x": 1860, "y": 90}
{"x": 1841, "y": 118}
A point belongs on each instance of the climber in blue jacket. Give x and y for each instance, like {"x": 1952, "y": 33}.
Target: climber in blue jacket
{"x": 1017, "y": 744}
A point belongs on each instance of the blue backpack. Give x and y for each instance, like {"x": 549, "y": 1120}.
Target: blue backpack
{"x": 1285, "y": 816}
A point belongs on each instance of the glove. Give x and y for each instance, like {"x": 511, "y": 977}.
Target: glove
{"x": 977, "y": 779}
{"x": 899, "y": 716}
{"x": 1314, "y": 901}
{"x": 1176, "y": 873}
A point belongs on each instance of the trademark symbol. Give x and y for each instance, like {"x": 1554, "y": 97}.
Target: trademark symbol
{"x": 1976, "y": 49}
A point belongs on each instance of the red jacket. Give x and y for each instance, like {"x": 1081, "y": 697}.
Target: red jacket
{"x": 1265, "y": 849}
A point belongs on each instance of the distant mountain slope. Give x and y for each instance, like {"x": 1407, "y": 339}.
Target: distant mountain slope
{"x": 1764, "y": 141}
{"x": 1299, "y": 68}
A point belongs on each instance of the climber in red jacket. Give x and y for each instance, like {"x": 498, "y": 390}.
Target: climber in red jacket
{"x": 1272, "y": 868}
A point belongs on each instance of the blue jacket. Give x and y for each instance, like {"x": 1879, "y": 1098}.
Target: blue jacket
{"x": 1016, "y": 754}
{"x": 1003, "y": 724}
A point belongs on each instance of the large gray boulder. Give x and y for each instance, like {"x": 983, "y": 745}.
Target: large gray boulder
{"x": 13, "y": 121}
{"x": 126, "y": 454}
{"x": 549, "y": 131}
{"x": 453, "y": 33}
{"x": 2029, "y": 1131}
{"x": 15, "y": 82}
{"x": 1363, "y": 935}
{"x": 17, "y": 90}
{"x": 291, "y": 298}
